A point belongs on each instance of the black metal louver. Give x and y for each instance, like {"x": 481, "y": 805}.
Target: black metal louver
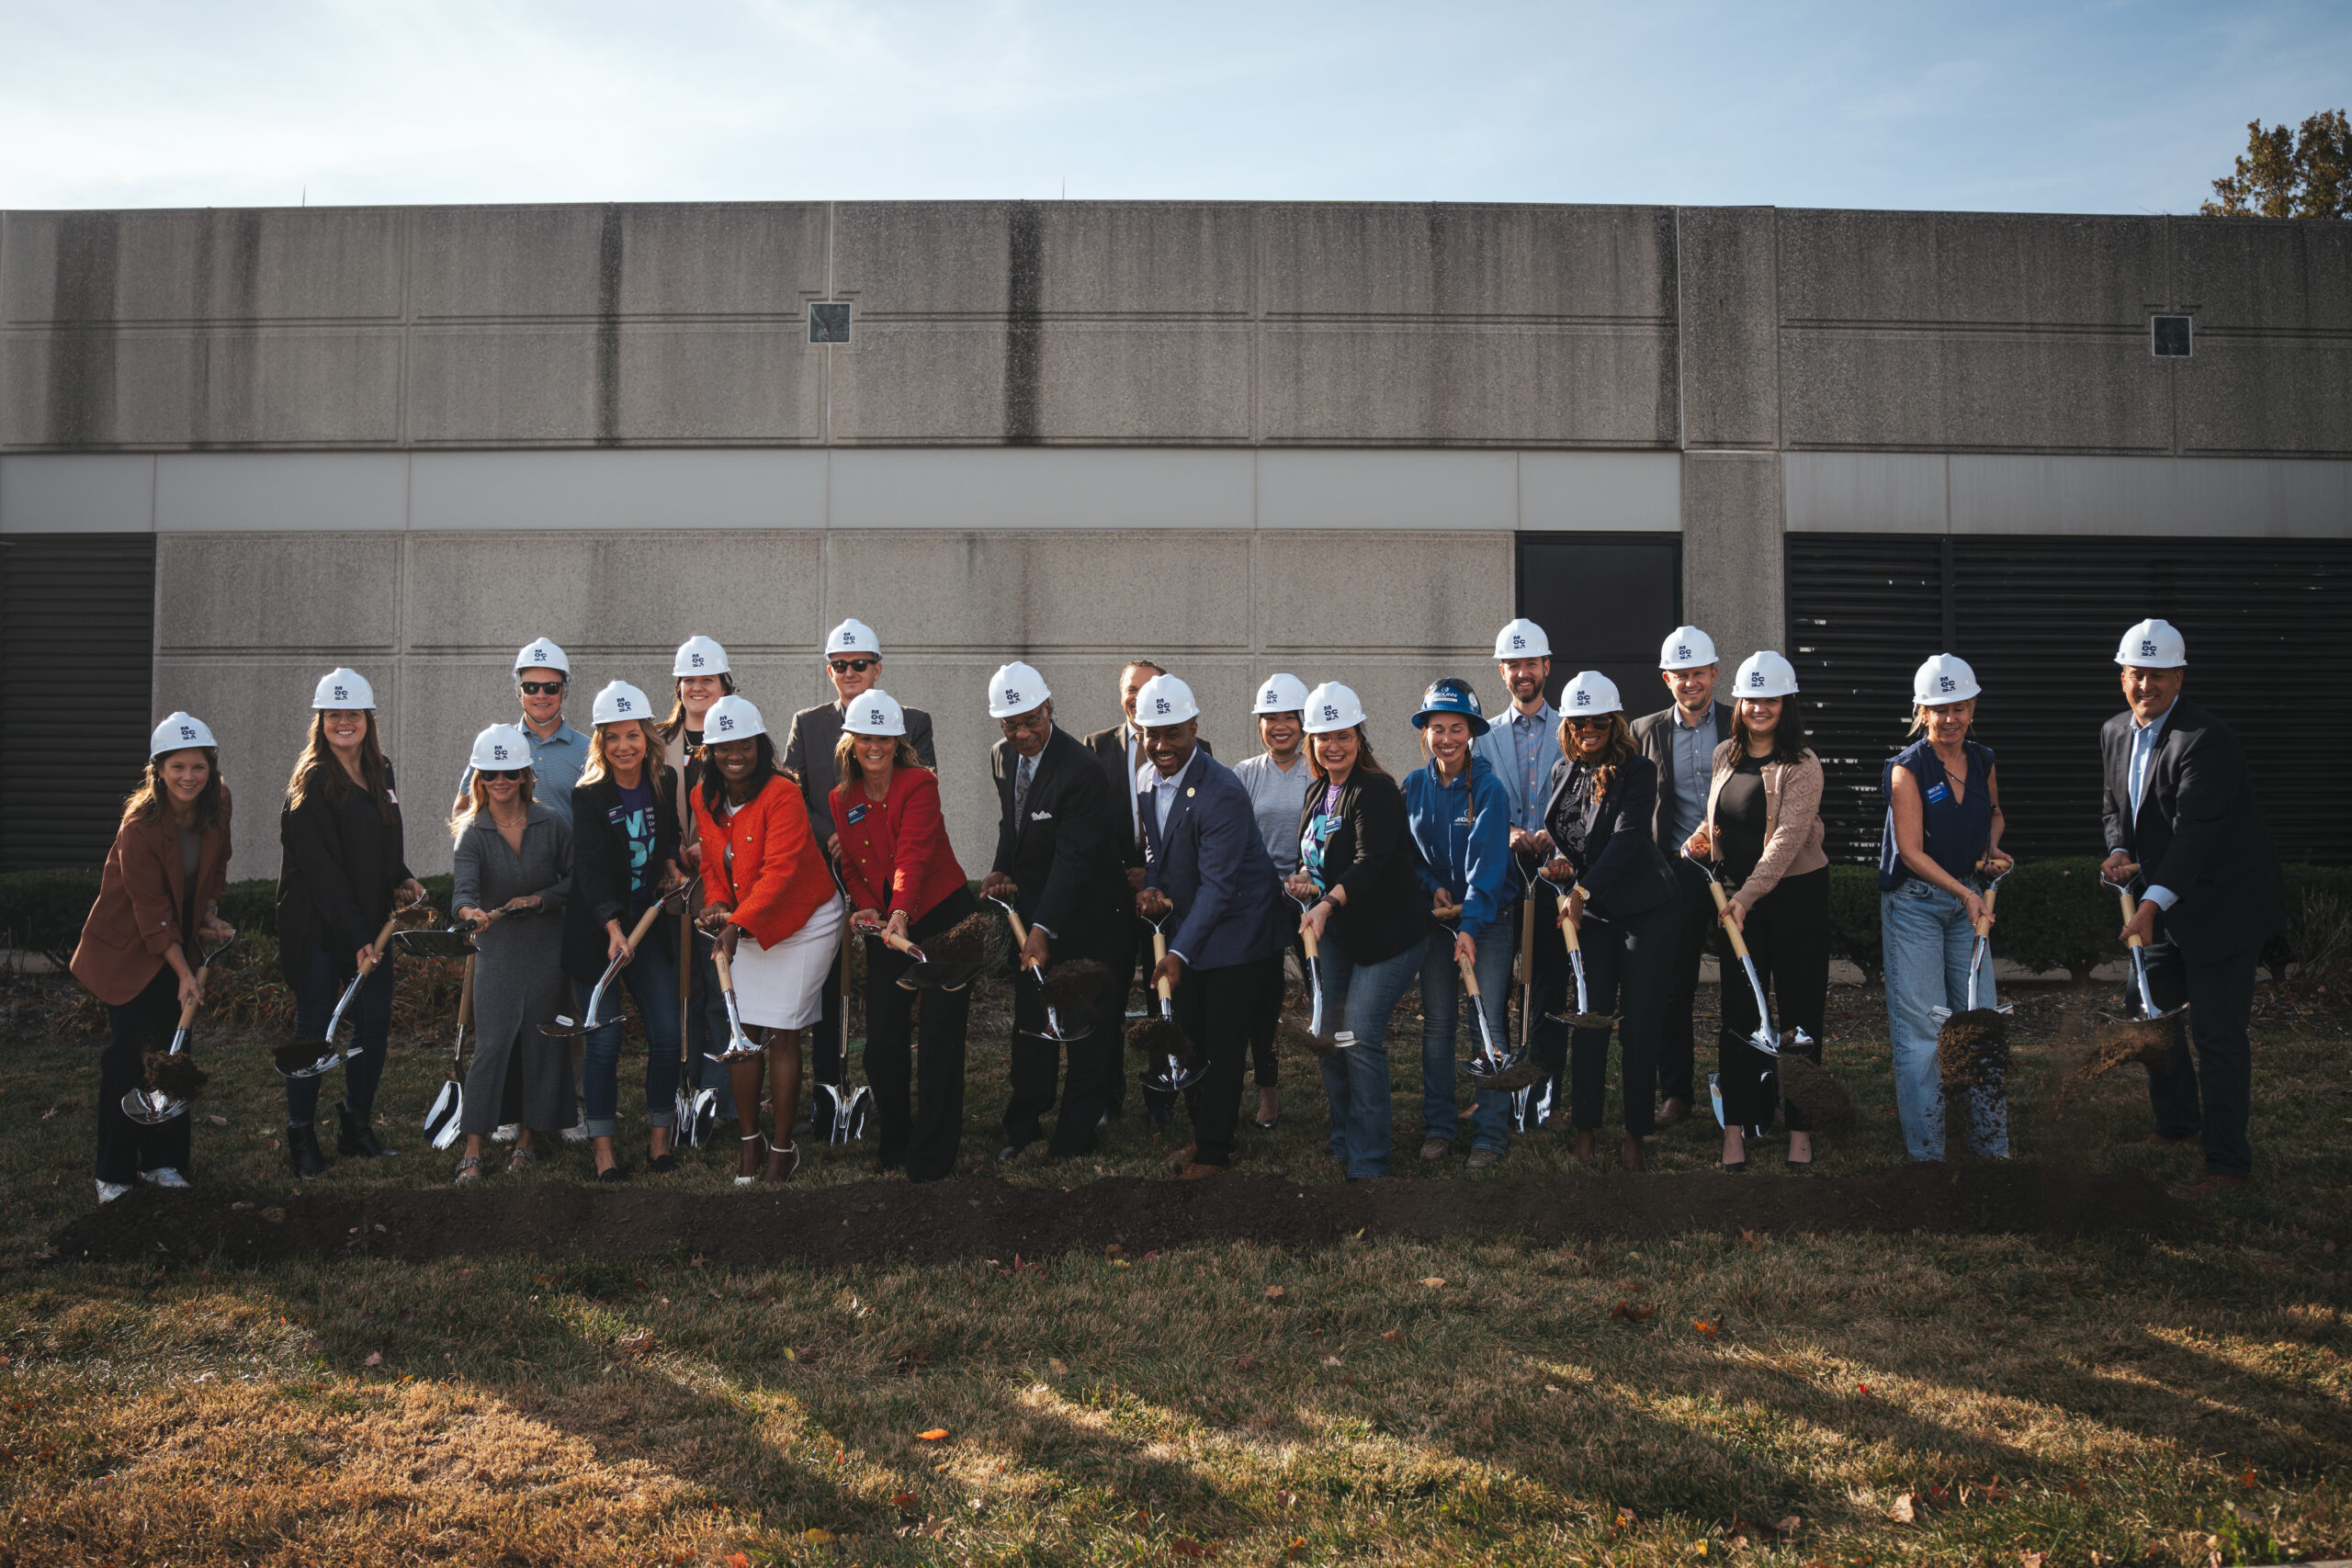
{"x": 76, "y": 668}
{"x": 2039, "y": 619}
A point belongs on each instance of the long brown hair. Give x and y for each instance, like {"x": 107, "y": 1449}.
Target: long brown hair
{"x": 478, "y": 801}
{"x": 1365, "y": 761}
{"x": 318, "y": 769}
{"x": 1612, "y": 757}
{"x": 1788, "y": 737}
{"x": 845, "y": 767}
{"x": 152, "y": 800}
{"x": 673, "y": 726}
{"x": 597, "y": 767}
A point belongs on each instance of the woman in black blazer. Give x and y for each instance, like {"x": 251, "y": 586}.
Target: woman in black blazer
{"x": 624, "y": 856}
{"x": 1621, "y": 899}
{"x": 1368, "y": 916}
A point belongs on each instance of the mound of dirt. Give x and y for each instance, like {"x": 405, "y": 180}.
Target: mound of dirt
{"x": 879, "y": 1222}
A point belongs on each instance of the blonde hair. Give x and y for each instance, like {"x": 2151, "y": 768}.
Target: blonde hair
{"x": 597, "y": 767}
{"x": 317, "y": 768}
{"x": 478, "y": 802}
{"x": 845, "y": 755}
{"x": 1919, "y": 716}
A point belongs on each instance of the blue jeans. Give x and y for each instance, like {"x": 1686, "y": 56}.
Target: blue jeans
{"x": 652, "y": 981}
{"x": 369, "y": 1018}
{"x": 1360, "y": 999}
{"x": 1928, "y": 941}
{"x": 1442, "y": 1013}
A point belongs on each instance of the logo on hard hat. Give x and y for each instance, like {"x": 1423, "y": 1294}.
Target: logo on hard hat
{"x": 874, "y": 715}
{"x": 497, "y": 751}
{"x": 1330, "y": 712}
{"x": 340, "y": 694}
{"x": 188, "y": 732}
{"x": 1946, "y": 683}
{"x": 2147, "y": 648}
{"x": 726, "y": 722}
{"x": 695, "y": 658}
{"x": 1516, "y": 640}
{"x": 1160, "y": 704}
{"x": 1681, "y": 651}
{"x": 621, "y": 704}
{"x": 1756, "y": 677}
{"x": 1012, "y": 693}
{"x": 1584, "y": 699}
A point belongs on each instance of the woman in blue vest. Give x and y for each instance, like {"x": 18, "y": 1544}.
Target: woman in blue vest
{"x": 1943, "y": 819}
{"x": 1459, "y": 815}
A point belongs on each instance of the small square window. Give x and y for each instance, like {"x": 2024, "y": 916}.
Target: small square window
{"x": 2168, "y": 337}
{"x": 829, "y": 320}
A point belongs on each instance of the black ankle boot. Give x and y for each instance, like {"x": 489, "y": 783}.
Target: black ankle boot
{"x": 303, "y": 1152}
{"x": 352, "y": 1135}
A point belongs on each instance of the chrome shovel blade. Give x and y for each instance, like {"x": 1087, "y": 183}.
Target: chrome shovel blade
{"x": 860, "y": 1114}
{"x": 1716, "y": 1095}
{"x": 151, "y": 1106}
{"x": 441, "y": 1120}
{"x": 697, "y": 1117}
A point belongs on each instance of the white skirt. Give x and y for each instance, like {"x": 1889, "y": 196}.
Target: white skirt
{"x": 783, "y": 986}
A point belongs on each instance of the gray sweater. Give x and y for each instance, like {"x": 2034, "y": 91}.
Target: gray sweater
{"x": 1278, "y": 799}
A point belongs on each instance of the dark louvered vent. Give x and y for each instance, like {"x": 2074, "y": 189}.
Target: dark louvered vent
{"x": 2039, "y": 619}
{"x": 76, "y": 663}
{"x": 1605, "y": 600}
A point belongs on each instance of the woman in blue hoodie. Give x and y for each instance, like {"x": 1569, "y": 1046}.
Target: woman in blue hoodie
{"x": 1459, "y": 813}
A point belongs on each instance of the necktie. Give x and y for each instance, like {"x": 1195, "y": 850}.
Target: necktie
{"x": 1021, "y": 790}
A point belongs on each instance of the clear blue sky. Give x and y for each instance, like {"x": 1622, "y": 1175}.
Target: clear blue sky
{"x": 2128, "y": 106}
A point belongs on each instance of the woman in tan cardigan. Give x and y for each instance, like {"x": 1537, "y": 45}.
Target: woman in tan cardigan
{"x": 1763, "y": 832}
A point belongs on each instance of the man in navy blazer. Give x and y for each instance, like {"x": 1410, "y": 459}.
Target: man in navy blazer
{"x": 2179, "y": 804}
{"x": 1204, "y": 859}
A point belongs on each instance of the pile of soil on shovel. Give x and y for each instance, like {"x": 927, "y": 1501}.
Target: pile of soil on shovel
{"x": 880, "y": 1223}
{"x": 1972, "y": 1049}
{"x": 2149, "y": 1042}
{"x": 1817, "y": 1095}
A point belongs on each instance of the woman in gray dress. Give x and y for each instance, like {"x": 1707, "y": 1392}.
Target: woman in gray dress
{"x": 514, "y": 857}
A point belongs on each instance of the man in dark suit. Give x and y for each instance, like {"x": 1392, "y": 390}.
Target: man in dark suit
{"x": 1119, "y": 749}
{"x": 1058, "y": 863}
{"x": 854, "y": 664}
{"x": 1681, "y": 740}
{"x": 2179, "y": 804}
{"x": 1208, "y": 867}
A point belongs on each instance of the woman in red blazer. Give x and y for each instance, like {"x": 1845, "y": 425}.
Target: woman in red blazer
{"x": 156, "y": 904}
{"x": 764, "y": 874}
{"x": 902, "y": 875}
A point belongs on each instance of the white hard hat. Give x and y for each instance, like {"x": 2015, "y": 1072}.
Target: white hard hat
{"x": 1331, "y": 706}
{"x": 1686, "y": 648}
{"x": 732, "y": 718}
{"x": 875, "y": 713}
{"x": 541, "y": 654}
{"x": 1946, "y": 678}
{"x": 1523, "y": 640}
{"x": 1017, "y": 688}
{"x": 343, "y": 688}
{"x": 1590, "y": 692}
{"x": 1765, "y": 674}
{"x": 1164, "y": 700}
{"x": 1281, "y": 694}
{"x": 852, "y": 635}
{"x": 500, "y": 748}
{"x": 618, "y": 702}
{"x": 177, "y": 733}
{"x": 2152, "y": 645}
{"x": 699, "y": 656}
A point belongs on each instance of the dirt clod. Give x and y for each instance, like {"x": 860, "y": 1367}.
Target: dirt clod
{"x": 1156, "y": 1037}
{"x": 176, "y": 1077}
{"x": 2150, "y": 1042}
{"x": 1816, "y": 1096}
{"x": 1297, "y": 1037}
{"x": 1972, "y": 1049}
{"x": 1074, "y": 990}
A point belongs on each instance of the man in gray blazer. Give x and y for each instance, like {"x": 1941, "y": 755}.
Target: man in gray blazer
{"x": 853, "y": 664}
{"x": 1681, "y": 740}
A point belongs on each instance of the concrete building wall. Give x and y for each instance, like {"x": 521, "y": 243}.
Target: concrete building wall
{"x": 1240, "y": 436}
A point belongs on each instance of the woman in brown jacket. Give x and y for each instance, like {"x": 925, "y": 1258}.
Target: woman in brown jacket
{"x": 1763, "y": 831}
{"x": 156, "y": 904}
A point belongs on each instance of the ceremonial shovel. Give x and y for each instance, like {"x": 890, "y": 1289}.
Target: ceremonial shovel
{"x": 177, "y": 1081}
{"x": 313, "y": 1058}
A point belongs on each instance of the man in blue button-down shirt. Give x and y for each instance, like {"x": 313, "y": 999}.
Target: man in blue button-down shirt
{"x": 1522, "y": 746}
{"x": 559, "y": 753}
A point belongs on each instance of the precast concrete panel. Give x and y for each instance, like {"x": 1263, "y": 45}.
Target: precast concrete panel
{"x": 1968, "y": 269}
{"x": 334, "y": 596}
{"x": 1420, "y": 591}
{"x": 1444, "y": 259}
{"x": 1726, "y": 380}
{"x": 2247, "y": 394}
{"x": 227, "y": 265}
{"x": 209, "y": 493}
{"x": 1731, "y": 550}
{"x": 1928, "y": 390}
{"x": 1002, "y": 260}
{"x": 2262, "y": 274}
{"x": 621, "y": 490}
{"x": 98, "y": 387}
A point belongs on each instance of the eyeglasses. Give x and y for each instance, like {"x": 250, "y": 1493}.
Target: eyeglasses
{"x": 541, "y": 688}
{"x": 1023, "y": 723}
{"x": 508, "y": 773}
{"x": 843, "y": 666}
{"x": 1600, "y": 723}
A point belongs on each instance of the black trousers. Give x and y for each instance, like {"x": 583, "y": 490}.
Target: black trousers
{"x": 2211, "y": 1096}
{"x": 1214, "y": 1008}
{"x": 1125, "y": 947}
{"x": 1694, "y": 930}
{"x": 1629, "y": 968}
{"x": 1037, "y": 1061}
{"x": 920, "y": 1136}
{"x": 1555, "y": 991}
{"x": 1788, "y": 935}
{"x": 1264, "y": 1065}
{"x": 126, "y": 1148}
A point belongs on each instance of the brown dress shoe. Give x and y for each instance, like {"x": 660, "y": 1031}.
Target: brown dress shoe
{"x": 1628, "y": 1153}
{"x": 1584, "y": 1149}
{"x": 1673, "y": 1113}
{"x": 1200, "y": 1172}
{"x": 1181, "y": 1157}
{"x": 2214, "y": 1185}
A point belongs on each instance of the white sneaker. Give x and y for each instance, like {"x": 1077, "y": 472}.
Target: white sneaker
{"x": 110, "y": 1191}
{"x": 576, "y": 1133}
{"x": 507, "y": 1133}
{"x": 164, "y": 1176}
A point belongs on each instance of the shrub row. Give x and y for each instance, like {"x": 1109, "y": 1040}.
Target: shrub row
{"x": 42, "y": 912}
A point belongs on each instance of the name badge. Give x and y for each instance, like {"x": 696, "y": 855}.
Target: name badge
{"x": 856, "y": 815}
{"x": 1938, "y": 794}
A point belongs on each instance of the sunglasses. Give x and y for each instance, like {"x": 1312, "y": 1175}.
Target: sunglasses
{"x": 509, "y": 773}
{"x": 1600, "y": 723}
{"x": 843, "y": 666}
{"x": 541, "y": 688}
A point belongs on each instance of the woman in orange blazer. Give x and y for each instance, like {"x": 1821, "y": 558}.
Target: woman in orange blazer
{"x": 157, "y": 901}
{"x": 768, "y": 892}
{"x": 901, "y": 873}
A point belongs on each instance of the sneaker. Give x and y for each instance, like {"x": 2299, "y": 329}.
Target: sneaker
{"x": 1482, "y": 1159}
{"x": 110, "y": 1191}
{"x": 507, "y": 1133}
{"x": 164, "y": 1176}
{"x": 576, "y": 1133}
{"x": 1436, "y": 1148}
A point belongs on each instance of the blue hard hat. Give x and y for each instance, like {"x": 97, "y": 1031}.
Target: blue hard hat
{"x": 1449, "y": 695}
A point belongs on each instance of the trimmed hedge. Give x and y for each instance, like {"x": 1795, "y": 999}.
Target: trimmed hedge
{"x": 42, "y": 912}
{"x": 2056, "y": 914}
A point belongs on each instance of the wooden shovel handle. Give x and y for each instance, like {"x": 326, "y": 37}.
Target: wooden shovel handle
{"x": 644, "y": 924}
{"x": 1738, "y": 943}
{"x": 1567, "y": 926}
{"x": 1469, "y": 977}
{"x": 1159, "y": 951}
{"x": 1306, "y": 935}
{"x": 1020, "y": 933}
{"x": 1984, "y": 926}
{"x": 685, "y": 978}
{"x": 188, "y": 1013}
{"x": 726, "y": 969}
{"x": 466, "y": 996}
{"x": 1526, "y": 940}
{"x": 377, "y": 947}
{"x": 2131, "y": 908}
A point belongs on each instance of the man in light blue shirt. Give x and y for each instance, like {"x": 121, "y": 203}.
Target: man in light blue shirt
{"x": 1522, "y": 746}
{"x": 559, "y": 753}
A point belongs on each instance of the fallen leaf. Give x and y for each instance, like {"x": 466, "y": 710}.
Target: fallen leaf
{"x": 1330, "y": 1360}
{"x": 1702, "y": 1325}
{"x": 218, "y": 1120}
{"x": 1394, "y": 1336}
{"x": 2247, "y": 1479}
{"x": 933, "y": 1435}
{"x": 1245, "y": 1363}
{"x": 1903, "y": 1513}
{"x": 274, "y": 1215}
{"x": 1297, "y": 1547}
{"x": 1151, "y": 1257}
{"x": 1626, "y": 1519}
{"x": 737, "y": 1560}
{"x": 1184, "y": 1546}
{"x": 1113, "y": 1250}
{"x": 817, "y": 1536}
{"x": 1863, "y": 1387}
{"x": 1273, "y": 1292}
{"x": 1621, "y": 1309}
{"x": 374, "y": 1359}
{"x": 1435, "y": 1281}
{"x": 1643, "y": 1313}
{"x": 1060, "y": 1369}
{"x": 1287, "y": 1499}
{"x": 2033, "y": 1558}
{"x": 905, "y": 1502}
{"x": 1789, "y": 1526}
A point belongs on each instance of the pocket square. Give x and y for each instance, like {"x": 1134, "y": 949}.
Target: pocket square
{"x": 1041, "y": 816}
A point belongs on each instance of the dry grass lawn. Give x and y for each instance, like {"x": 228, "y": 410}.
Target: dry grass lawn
{"x": 1788, "y": 1399}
